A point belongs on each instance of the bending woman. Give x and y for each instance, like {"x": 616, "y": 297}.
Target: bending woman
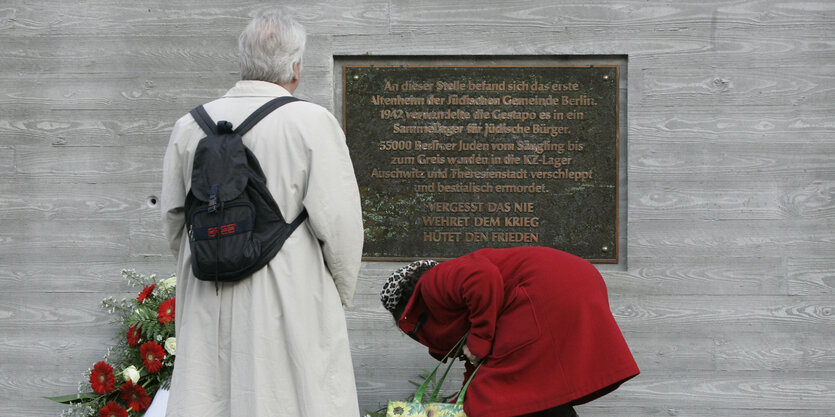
{"x": 538, "y": 317}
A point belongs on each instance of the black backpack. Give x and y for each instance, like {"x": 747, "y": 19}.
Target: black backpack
{"x": 234, "y": 225}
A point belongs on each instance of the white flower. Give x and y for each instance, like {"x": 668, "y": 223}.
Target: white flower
{"x": 131, "y": 374}
{"x": 171, "y": 345}
{"x": 168, "y": 283}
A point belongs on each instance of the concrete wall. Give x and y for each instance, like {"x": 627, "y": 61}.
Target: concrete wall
{"x": 728, "y": 289}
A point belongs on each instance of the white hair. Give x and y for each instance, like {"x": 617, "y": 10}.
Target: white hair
{"x": 269, "y": 46}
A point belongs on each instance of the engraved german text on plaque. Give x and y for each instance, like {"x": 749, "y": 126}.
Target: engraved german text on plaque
{"x": 451, "y": 159}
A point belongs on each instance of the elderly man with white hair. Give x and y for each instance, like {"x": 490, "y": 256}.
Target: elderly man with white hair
{"x": 274, "y": 343}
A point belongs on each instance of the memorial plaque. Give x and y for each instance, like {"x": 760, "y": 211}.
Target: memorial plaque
{"x": 451, "y": 159}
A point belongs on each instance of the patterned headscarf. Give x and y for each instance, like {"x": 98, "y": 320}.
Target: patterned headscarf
{"x": 403, "y": 279}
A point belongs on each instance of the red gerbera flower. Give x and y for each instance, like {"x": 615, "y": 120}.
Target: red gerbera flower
{"x": 102, "y": 379}
{"x": 133, "y": 334}
{"x": 152, "y": 355}
{"x": 146, "y": 293}
{"x": 113, "y": 410}
{"x": 134, "y": 396}
{"x": 165, "y": 312}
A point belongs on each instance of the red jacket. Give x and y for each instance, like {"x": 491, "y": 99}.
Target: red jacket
{"x": 540, "y": 318}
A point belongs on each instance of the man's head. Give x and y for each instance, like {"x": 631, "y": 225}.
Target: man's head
{"x": 271, "y": 49}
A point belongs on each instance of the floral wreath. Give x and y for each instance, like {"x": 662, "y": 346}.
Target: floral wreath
{"x": 141, "y": 363}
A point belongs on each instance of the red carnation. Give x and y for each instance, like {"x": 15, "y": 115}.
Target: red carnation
{"x": 133, "y": 335}
{"x": 165, "y": 313}
{"x": 146, "y": 293}
{"x": 134, "y": 396}
{"x": 152, "y": 355}
{"x": 102, "y": 379}
{"x": 113, "y": 410}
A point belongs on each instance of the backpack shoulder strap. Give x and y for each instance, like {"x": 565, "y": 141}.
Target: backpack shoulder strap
{"x": 298, "y": 220}
{"x": 204, "y": 120}
{"x": 262, "y": 112}
{"x": 210, "y": 127}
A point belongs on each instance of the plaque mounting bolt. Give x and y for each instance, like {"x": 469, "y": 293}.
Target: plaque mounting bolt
{"x": 356, "y": 77}
{"x": 606, "y": 77}
{"x": 605, "y": 249}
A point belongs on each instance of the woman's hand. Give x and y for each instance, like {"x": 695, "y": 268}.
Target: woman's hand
{"x": 473, "y": 359}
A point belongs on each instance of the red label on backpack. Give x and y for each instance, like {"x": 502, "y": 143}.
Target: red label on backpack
{"x": 226, "y": 229}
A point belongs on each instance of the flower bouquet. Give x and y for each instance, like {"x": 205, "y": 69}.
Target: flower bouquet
{"x": 436, "y": 405}
{"x": 142, "y": 361}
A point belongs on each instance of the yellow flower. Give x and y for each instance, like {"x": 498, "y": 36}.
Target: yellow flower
{"x": 444, "y": 410}
{"x": 406, "y": 409}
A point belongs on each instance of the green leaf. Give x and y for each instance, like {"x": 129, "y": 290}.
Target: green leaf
{"x": 74, "y": 398}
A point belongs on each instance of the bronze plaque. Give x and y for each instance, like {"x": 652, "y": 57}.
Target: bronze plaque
{"x": 451, "y": 159}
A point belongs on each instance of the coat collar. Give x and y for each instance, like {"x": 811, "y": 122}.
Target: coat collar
{"x": 252, "y": 88}
{"x": 408, "y": 323}
{"x": 414, "y": 313}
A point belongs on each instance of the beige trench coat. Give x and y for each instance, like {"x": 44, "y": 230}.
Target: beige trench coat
{"x": 274, "y": 344}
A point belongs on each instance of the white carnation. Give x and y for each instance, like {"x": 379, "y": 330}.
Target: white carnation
{"x": 168, "y": 283}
